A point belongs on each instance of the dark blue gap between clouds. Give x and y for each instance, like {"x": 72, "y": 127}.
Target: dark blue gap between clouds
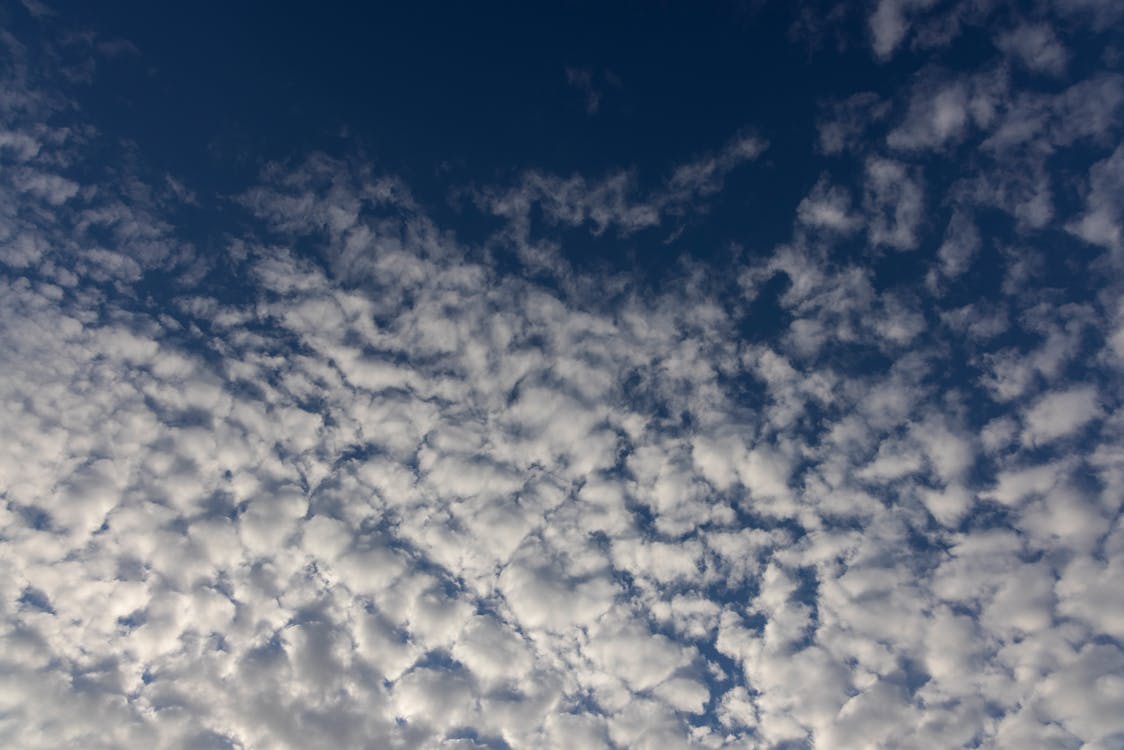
{"x": 447, "y": 93}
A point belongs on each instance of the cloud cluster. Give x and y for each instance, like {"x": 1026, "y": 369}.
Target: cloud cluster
{"x": 390, "y": 492}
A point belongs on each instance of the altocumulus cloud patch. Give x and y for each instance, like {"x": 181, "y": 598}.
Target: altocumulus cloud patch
{"x": 572, "y": 457}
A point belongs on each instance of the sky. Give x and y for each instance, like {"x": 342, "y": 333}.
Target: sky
{"x": 562, "y": 375}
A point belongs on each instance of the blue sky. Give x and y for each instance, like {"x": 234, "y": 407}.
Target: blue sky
{"x": 724, "y": 375}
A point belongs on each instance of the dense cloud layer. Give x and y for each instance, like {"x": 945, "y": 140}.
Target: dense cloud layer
{"x": 393, "y": 490}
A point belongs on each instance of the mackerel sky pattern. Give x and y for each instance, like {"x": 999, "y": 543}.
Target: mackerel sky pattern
{"x": 730, "y": 375}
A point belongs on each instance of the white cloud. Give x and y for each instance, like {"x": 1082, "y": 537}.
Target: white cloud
{"x": 615, "y": 200}
{"x": 889, "y": 23}
{"x": 1060, "y": 413}
{"x": 1036, "y": 47}
{"x": 936, "y": 116}
{"x": 894, "y": 200}
{"x": 1102, "y": 223}
{"x": 827, "y": 207}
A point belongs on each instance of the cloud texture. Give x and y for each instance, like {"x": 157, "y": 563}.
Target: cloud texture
{"x": 395, "y": 489}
